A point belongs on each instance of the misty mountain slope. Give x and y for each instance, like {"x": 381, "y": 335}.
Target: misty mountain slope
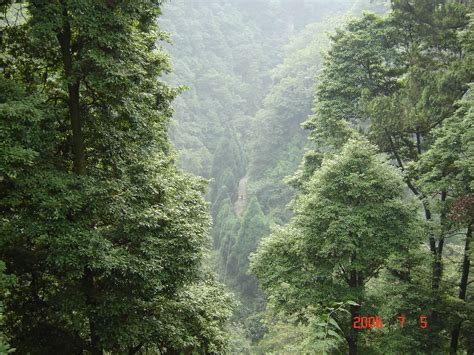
{"x": 251, "y": 68}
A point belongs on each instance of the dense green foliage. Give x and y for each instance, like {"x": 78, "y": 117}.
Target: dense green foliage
{"x": 105, "y": 238}
{"x": 278, "y": 140}
{"x": 402, "y": 81}
{"x": 350, "y": 221}
{"x": 4, "y": 347}
{"x": 109, "y": 244}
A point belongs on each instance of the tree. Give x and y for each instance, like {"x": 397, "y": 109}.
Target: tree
{"x": 361, "y": 59}
{"x": 252, "y": 229}
{"x": 197, "y": 321}
{"x": 436, "y": 79}
{"x": 350, "y": 219}
{"x": 103, "y": 234}
{"x": 395, "y": 79}
{"x": 449, "y": 167}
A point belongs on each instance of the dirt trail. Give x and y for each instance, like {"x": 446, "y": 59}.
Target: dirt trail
{"x": 239, "y": 205}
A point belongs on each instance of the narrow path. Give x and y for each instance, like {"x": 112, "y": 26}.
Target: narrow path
{"x": 239, "y": 205}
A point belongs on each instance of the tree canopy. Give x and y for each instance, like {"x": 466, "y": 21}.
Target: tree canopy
{"x": 102, "y": 233}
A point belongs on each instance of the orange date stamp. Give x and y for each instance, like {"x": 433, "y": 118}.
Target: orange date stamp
{"x": 371, "y": 322}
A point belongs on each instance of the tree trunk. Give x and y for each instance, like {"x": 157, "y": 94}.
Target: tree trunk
{"x": 353, "y": 335}
{"x": 352, "y": 346}
{"x": 88, "y": 289}
{"x": 76, "y": 125}
{"x": 462, "y": 287}
{"x": 355, "y": 281}
{"x": 73, "y": 85}
{"x": 418, "y": 142}
{"x": 437, "y": 273}
{"x": 78, "y": 149}
{"x": 437, "y": 264}
{"x": 132, "y": 350}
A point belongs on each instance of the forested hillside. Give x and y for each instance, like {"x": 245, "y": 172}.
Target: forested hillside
{"x": 239, "y": 123}
{"x": 227, "y": 63}
{"x": 236, "y": 177}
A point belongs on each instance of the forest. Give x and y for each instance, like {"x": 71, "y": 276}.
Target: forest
{"x": 236, "y": 177}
